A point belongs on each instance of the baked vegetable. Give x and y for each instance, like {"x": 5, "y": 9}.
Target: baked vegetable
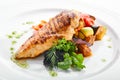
{"x": 85, "y": 50}
{"x": 85, "y": 32}
{"x": 100, "y": 32}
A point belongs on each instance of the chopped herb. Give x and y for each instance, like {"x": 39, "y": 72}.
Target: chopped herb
{"x": 11, "y": 48}
{"x": 13, "y": 37}
{"x": 66, "y": 46}
{"x": 9, "y": 36}
{"x": 14, "y": 42}
{"x": 14, "y": 32}
{"x": 103, "y": 60}
{"x": 21, "y": 63}
{"x": 109, "y": 46}
{"x": 17, "y": 36}
{"x": 28, "y": 22}
{"x": 53, "y": 73}
{"x": 12, "y": 52}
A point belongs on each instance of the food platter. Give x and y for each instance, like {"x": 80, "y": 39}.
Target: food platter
{"x": 105, "y": 52}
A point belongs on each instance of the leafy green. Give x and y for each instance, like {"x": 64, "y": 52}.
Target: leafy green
{"x": 50, "y": 58}
{"x": 65, "y": 45}
{"x": 77, "y": 64}
{"x": 78, "y": 56}
{"x": 75, "y": 60}
{"x": 66, "y": 64}
{"x": 63, "y": 56}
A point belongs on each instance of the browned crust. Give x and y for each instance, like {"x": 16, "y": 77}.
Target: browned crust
{"x": 49, "y": 33}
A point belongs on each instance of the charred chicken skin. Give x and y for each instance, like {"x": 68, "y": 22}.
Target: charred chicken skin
{"x": 62, "y": 25}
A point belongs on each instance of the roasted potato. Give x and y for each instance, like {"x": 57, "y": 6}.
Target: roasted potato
{"x": 85, "y": 50}
{"x": 90, "y": 39}
{"x": 100, "y": 32}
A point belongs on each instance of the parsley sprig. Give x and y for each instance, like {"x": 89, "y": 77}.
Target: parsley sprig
{"x": 66, "y": 46}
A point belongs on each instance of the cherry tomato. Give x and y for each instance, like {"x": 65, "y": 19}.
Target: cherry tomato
{"x": 89, "y": 22}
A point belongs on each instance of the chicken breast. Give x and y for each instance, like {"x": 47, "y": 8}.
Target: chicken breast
{"x": 61, "y": 26}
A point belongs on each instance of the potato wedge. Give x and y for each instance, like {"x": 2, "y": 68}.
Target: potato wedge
{"x": 100, "y": 32}
{"x": 85, "y": 50}
{"x": 90, "y": 39}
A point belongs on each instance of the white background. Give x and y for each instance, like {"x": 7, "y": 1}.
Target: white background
{"x": 113, "y": 5}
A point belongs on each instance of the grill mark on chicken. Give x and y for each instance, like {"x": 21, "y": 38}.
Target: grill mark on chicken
{"x": 57, "y": 27}
{"x": 55, "y": 24}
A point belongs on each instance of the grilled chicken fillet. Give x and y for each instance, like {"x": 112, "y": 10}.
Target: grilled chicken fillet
{"x": 61, "y": 26}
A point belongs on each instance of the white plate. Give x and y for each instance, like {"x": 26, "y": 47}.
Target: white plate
{"x": 94, "y": 64}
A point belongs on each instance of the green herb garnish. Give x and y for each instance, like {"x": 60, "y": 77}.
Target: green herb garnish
{"x": 77, "y": 61}
{"x": 13, "y": 38}
{"x": 74, "y": 60}
{"x": 51, "y": 58}
{"x": 65, "y": 45}
{"x": 28, "y": 22}
{"x": 11, "y": 48}
{"x": 53, "y": 73}
{"x": 21, "y": 63}
{"x": 16, "y": 35}
{"x": 63, "y": 56}
{"x": 14, "y": 42}
{"x": 9, "y": 36}
{"x": 66, "y": 64}
{"x": 103, "y": 60}
{"x": 14, "y": 32}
